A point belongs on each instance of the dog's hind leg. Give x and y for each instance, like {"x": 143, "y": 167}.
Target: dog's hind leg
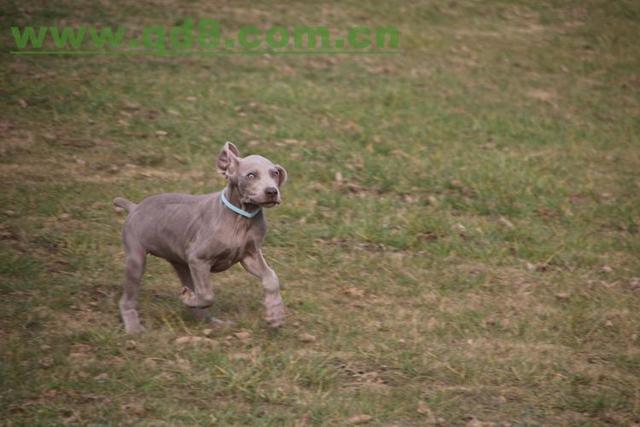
{"x": 134, "y": 269}
{"x": 184, "y": 274}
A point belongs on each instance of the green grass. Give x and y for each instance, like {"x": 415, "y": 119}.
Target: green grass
{"x": 488, "y": 218}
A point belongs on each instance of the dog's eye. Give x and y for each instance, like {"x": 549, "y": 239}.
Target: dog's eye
{"x": 251, "y": 175}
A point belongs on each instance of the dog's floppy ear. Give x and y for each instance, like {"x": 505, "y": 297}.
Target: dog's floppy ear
{"x": 228, "y": 159}
{"x": 282, "y": 175}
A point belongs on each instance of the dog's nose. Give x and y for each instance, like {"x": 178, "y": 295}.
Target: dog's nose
{"x": 271, "y": 191}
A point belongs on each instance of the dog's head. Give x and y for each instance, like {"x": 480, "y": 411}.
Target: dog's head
{"x": 257, "y": 179}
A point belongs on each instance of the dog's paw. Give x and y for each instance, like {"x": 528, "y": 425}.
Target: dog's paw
{"x": 275, "y": 315}
{"x": 219, "y": 323}
{"x": 132, "y": 322}
{"x": 134, "y": 329}
{"x": 203, "y": 315}
{"x": 192, "y": 299}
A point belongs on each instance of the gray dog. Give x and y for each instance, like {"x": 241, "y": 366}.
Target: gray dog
{"x": 203, "y": 234}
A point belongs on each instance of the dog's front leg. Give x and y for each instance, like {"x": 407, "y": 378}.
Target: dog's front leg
{"x": 202, "y": 294}
{"x": 255, "y": 264}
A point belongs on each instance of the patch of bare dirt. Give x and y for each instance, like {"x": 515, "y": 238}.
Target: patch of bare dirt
{"x": 542, "y": 95}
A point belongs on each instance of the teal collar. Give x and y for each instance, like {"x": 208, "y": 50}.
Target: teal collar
{"x": 236, "y": 209}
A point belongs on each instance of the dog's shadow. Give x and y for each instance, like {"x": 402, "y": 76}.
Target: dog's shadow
{"x": 235, "y": 300}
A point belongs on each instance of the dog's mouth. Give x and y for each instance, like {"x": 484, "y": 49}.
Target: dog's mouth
{"x": 268, "y": 203}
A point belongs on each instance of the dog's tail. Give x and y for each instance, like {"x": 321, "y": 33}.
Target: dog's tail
{"x": 123, "y": 203}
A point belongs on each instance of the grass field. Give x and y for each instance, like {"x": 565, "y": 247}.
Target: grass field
{"x": 460, "y": 232}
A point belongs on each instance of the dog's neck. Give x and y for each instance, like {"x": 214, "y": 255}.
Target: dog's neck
{"x": 232, "y": 194}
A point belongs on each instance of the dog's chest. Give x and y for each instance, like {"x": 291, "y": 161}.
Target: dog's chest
{"x": 227, "y": 240}
{"x": 228, "y": 256}
{"x": 228, "y": 249}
